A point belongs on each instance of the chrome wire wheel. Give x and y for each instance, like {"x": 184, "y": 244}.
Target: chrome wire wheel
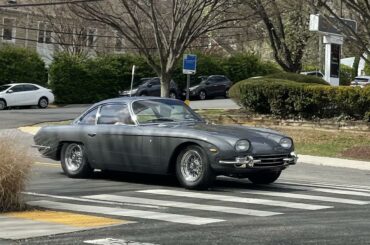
{"x": 74, "y": 157}
{"x": 191, "y": 166}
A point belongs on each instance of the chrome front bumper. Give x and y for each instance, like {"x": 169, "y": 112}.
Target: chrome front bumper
{"x": 250, "y": 162}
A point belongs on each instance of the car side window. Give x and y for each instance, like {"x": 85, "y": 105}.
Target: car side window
{"x": 17, "y": 88}
{"x": 89, "y": 118}
{"x": 115, "y": 114}
{"x": 156, "y": 82}
{"x": 30, "y": 87}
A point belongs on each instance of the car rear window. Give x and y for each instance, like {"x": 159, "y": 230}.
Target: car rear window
{"x": 366, "y": 80}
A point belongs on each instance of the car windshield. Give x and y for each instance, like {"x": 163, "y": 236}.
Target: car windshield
{"x": 4, "y": 87}
{"x": 158, "y": 111}
{"x": 137, "y": 83}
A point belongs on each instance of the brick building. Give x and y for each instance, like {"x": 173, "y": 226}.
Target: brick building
{"x": 52, "y": 30}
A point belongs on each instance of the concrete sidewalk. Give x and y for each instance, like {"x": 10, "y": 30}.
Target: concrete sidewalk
{"x": 334, "y": 162}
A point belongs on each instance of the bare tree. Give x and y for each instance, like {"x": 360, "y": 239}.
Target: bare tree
{"x": 286, "y": 25}
{"x": 161, "y": 30}
{"x": 358, "y": 10}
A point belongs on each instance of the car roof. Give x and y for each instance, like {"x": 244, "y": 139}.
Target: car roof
{"x": 13, "y": 84}
{"x": 367, "y": 77}
{"x": 130, "y": 99}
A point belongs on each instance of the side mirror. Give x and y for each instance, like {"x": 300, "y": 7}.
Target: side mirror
{"x": 149, "y": 85}
{"x": 207, "y": 83}
{"x": 9, "y": 91}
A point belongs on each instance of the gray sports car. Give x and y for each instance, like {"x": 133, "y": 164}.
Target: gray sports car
{"x": 164, "y": 136}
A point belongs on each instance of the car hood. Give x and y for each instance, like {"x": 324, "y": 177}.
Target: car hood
{"x": 262, "y": 139}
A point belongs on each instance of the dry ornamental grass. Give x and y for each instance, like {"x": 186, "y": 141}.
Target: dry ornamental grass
{"x": 15, "y": 165}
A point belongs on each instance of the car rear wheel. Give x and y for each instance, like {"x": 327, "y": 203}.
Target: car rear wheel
{"x": 74, "y": 161}
{"x": 227, "y": 94}
{"x": 265, "y": 177}
{"x": 172, "y": 95}
{"x": 43, "y": 103}
{"x": 2, "y": 104}
{"x": 202, "y": 95}
{"x": 192, "y": 168}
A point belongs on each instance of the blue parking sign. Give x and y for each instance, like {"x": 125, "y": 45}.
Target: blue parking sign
{"x": 189, "y": 64}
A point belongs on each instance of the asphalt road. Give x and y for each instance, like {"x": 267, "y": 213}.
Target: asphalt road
{"x": 15, "y": 118}
{"x": 313, "y": 205}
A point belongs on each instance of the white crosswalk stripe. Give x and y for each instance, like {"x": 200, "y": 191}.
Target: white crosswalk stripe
{"x": 185, "y": 205}
{"x": 226, "y": 198}
{"x": 176, "y": 218}
{"x": 307, "y": 197}
{"x": 325, "y": 190}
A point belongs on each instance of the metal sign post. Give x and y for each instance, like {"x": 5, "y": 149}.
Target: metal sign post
{"x": 132, "y": 78}
{"x": 332, "y": 30}
{"x": 189, "y": 68}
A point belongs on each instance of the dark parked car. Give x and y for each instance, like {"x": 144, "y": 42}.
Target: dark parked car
{"x": 151, "y": 87}
{"x": 209, "y": 86}
{"x": 164, "y": 136}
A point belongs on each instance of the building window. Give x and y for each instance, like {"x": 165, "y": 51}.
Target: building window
{"x": 91, "y": 37}
{"x": 44, "y": 35}
{"x": 9, "y": 29}
{"x": 118, "y": 43}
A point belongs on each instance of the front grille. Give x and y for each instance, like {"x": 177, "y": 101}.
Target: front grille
{"x": 270, "y": 160}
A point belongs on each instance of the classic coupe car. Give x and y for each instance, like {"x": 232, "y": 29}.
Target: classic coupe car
{"x": 164, "y": 136}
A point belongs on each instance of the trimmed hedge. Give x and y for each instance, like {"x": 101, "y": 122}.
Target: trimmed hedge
{"x": 21, "y": 65}
{"x": 299, "y": 78}
{"x": 76, "y": 79}
{"x": 289, "y": 99}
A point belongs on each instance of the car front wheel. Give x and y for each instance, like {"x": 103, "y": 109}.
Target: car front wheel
{"x": 265, "y": 177}
{"x": 192, "y": 168}
{"x": 202, "y": 95}
{"x": 2, "y": 105}
{"x": 74, "y": 161}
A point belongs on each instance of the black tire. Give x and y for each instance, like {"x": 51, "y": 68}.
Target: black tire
{"x": 227, "y": 93}
{"x": 2, "y": 105}
{"x": 82, "y": 170}
{"x": 173, "y": 95}
{"x": 205, "y": 176}
{"x": 265, "y": 178}
{"x": 43, "y": 103}
{"x": 202, "y": 95}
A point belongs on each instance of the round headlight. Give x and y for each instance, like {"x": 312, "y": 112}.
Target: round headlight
{"x": 242, "y": 145}
{"x": 286, "y": 143}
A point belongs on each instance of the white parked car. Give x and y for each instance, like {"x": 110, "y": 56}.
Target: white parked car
{"x": 361, "y": 81}
{"x": 25, "y": 94}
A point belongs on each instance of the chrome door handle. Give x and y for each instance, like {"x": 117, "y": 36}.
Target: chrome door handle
{"x": 92, "y": 134}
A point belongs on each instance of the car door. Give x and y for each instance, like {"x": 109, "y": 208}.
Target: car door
{"x": 211, "y": 86}
{"x": 15, "y": 96}
{"x": 155, "y": 87}
{"x": 220, "y": 86}
{"x": 31, "y": 94}
{"x": 114, "y": 143}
